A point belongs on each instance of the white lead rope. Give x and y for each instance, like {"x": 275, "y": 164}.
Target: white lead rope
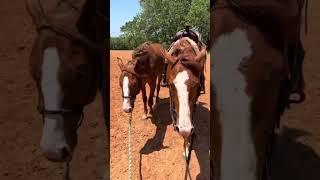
{"x": 129, "y": 153}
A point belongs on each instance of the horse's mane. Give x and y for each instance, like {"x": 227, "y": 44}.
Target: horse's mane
{"x": 141, "y": 50}
{"x": 184, "y": 46}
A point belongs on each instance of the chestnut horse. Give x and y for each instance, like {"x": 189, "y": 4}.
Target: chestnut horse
{"x": 183, "y": 78}
{"x": 145, "y": 67}
{"x": 250, "y": 42}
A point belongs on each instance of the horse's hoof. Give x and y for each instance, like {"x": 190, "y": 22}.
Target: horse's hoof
{"x": 154, "y": 106}
{"x": 163, "y": 84}
{"x": 297, "y": 97}
{"x": 144, "y": 117}
{"x": 150, "y": 114}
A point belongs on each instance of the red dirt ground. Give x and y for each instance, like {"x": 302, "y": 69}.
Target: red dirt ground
{"x": 20, "y": 123}
{"x": 160, "y": 147}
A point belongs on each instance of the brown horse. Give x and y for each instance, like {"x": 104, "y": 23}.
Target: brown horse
{"x": 64, "y": 64}
{"x": 250, "y": 42}
{"x": 145, "y": 67}
{"x": 184, "y": 69}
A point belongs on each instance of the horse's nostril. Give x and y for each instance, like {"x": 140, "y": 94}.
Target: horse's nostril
{"x": 176, "y": 128}
{"x": 127, "y": 110}
{"x": 64, "y": 153}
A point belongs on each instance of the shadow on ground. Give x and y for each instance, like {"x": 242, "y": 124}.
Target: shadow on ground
{"x": 162, "y": 119}
{"x": 294, "y": 160}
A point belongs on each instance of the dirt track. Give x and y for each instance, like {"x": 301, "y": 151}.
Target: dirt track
{"x": 160, "y": 147}
{"x": 20, "y": 123}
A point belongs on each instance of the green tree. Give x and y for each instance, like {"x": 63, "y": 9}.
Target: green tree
{"x": 119, "y": 43}
{"x": 198, "y": 19}
{"x": 159, "y": 20}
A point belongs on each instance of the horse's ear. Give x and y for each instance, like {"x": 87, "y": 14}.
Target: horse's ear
{"x": 201, "y": 55}
{"x": 120, "y": 64}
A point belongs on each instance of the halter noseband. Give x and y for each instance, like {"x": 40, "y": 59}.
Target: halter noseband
{"x": 128, "y": 97}
{"x": 63, "y": 112}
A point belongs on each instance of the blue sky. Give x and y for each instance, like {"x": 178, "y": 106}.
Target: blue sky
{"x": 122, "y": 11}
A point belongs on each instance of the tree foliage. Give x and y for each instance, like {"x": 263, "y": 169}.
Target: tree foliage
{"x": 159, "y": 20}
{"x": 199, "y": 17}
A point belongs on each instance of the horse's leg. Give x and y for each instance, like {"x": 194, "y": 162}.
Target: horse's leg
{"x": 144, "y": 98}
{"x": 163, "y": 76}
{"x": 202, "y": 78}
{"x": 158, "y": 87}
{"x": 67, "y": 171}
{"x": 152, "y": 85}
{"x": 297, "y": 94}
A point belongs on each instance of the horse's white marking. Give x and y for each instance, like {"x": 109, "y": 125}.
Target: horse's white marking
{"x": 126, "y": 92}
{"x": 238, "y": 152}
{"x": 184, "y": 122}
{"x": 53, "y": 136}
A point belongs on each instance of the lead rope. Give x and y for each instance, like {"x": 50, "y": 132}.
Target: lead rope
{"x": 129, "y": 149}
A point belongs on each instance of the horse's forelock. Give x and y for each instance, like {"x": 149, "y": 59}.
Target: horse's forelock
{"x": 189, "y": 60}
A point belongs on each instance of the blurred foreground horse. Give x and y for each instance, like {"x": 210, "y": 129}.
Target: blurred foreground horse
{"x": 64, "y": 64}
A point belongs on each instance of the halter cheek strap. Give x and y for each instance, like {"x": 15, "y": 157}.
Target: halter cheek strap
{"x": 128, "y": 97}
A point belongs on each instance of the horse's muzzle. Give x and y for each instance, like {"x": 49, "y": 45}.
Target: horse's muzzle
{"x": 184, "y": 132}
{"x": 61, "y": 154}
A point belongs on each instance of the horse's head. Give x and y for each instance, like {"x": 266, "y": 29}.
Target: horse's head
{"x": 183, "y": 79}
{"x": 66, "y": 79}
{"x": 130, "y": 84}
{"x": 66, "y": 75}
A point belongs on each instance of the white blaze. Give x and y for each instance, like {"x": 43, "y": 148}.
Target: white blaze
{"x": 238, "y": 152}
{"x": 184, "y": 122}
{"x": 53, "y": 136}
{"x": 125, "y": 88}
